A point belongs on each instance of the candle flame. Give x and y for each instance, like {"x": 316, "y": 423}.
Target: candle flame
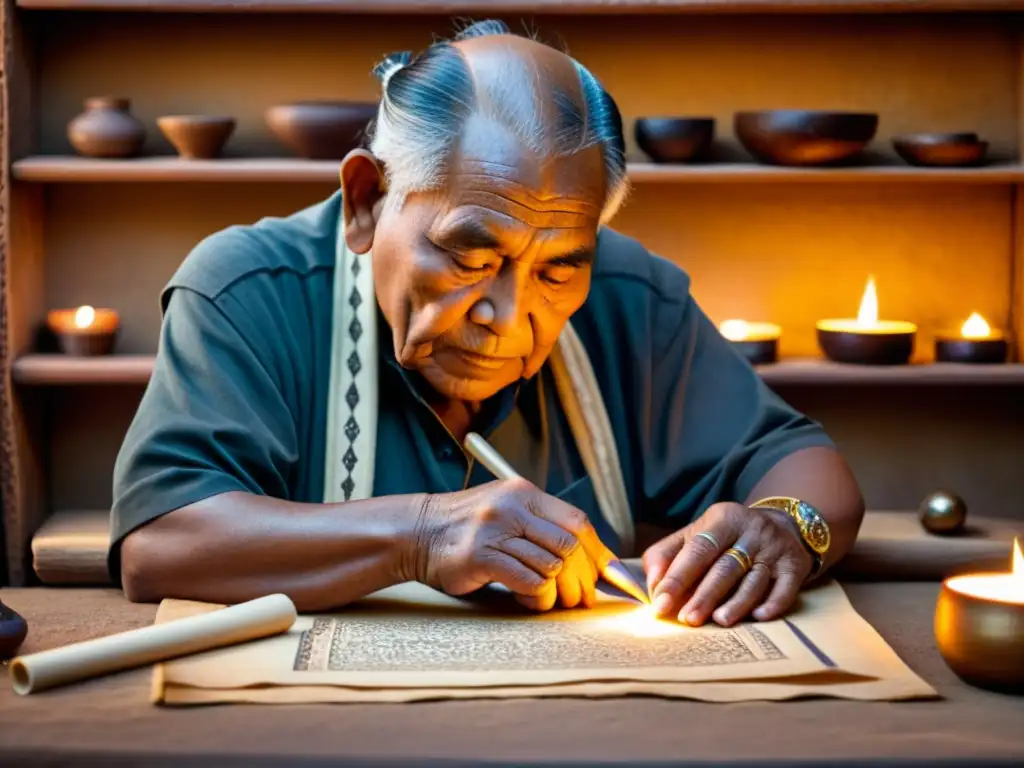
{"x": 975, "y": 327}
{"x": 84, "y": 317}
{"x": 735, "y": 330}
{"x": 867, "y": 315}
{"x": 1000, "y": 587}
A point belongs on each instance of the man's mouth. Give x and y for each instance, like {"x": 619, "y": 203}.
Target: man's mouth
{"x": 482, "y": 361}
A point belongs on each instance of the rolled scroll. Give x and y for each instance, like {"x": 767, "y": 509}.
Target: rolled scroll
{"x": 258, "y": 618}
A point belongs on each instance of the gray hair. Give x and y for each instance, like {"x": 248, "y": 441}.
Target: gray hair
{"x": 426, "y": 100}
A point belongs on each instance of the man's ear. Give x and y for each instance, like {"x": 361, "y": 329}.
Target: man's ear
{"x": 362, "y": 187}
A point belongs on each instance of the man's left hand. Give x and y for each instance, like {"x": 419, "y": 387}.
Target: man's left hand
{"x": 690, "y": 575}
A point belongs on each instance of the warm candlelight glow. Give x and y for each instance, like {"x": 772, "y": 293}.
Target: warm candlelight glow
{"x": 999, "y": 587}
{"x": 867, "y": 315}
{"x": 643, "y": 622}
{"x": 84, "y": 316}
{"x": 741, "y": 330}
{"x": 867, "y": 321}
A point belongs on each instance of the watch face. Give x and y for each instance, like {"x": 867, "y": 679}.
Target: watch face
{"x": 814, "y": 527}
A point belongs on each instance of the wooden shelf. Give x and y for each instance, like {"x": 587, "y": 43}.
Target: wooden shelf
{"x": 62, "y": 369}
{"x": 580, "y": 7}
{"x": 58, "y": 370}
{"x": 72, "y": 169}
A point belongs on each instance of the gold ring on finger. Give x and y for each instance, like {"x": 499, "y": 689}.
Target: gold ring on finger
{"x": 710, "y": 537}
{"x": 740, "y": 557}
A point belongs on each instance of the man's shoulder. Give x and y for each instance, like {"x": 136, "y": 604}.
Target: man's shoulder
{"x": 625, "y": 270}
{"x": 302, "y": 244}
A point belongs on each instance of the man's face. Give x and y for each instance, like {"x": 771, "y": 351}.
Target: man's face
{"x": 477, "y": 280}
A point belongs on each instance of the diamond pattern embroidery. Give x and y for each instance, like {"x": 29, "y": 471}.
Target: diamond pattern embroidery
{"x": 355, "y": 365}
{"x": 351, "y": 429}
{"x": 349, "y": 459}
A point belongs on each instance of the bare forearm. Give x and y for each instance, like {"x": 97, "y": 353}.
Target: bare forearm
{"x": 821, "y": 477}
{"x": 238, "y": 546}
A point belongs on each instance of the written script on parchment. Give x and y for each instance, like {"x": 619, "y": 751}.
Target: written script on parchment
{"x": 432, "y": 644}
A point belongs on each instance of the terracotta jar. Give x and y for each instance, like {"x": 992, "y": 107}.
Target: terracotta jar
{"x": 106, "y": 129}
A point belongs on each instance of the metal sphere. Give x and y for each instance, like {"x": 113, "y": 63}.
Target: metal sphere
{"x": 943, "y": 512}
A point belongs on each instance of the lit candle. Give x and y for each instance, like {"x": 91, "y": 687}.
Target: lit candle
{"x": 758, "y": 342}
{"x": 866, "y": 339}
{"x": 84, "y": 331}
{"x": 976, "y": 342}
{"x": 979, "y": 626}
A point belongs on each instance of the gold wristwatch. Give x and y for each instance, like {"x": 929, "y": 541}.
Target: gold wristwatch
{"x": 813, "y": 529}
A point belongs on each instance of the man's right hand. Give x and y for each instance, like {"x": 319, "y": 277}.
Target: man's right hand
{"x": 512, "y": 533}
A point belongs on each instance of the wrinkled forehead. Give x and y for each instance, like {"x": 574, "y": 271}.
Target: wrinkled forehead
{"x": 493, "y": 161}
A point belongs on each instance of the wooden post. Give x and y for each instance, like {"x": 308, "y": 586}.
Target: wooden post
{"x": 21, "y": 299}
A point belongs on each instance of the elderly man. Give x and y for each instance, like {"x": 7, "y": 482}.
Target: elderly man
{"x": 299, "y": 436}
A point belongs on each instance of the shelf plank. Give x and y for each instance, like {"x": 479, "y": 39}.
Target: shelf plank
{"x": 63, "y": 370}
{"x": 59, "y": 370}
{"x": 72, "y": 169}
{"x": 561, "y": 7}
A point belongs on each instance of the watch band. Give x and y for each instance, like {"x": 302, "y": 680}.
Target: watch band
{"x": 814, "y": 530}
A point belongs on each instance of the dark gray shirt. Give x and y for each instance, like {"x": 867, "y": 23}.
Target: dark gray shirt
{"x": 238, "y": 396}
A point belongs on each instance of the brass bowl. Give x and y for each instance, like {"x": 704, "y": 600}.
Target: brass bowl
{"x": 981, "y": 640}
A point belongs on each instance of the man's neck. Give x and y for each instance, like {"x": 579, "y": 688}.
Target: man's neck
{"x": 456, "y": 415}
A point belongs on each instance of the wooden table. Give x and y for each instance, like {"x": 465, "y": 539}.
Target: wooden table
{"x": 110, "y": 722}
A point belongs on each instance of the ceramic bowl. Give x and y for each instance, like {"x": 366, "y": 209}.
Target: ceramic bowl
{"x": 674, "y": 139}
{"x": 197, "y": 137}
{"x": 796, "y": 137}
{"x": 320, "y": 130}
{"x": 948, "y": 150}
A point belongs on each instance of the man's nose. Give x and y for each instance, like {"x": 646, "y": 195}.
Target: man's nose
{"x": 502, "y": 308}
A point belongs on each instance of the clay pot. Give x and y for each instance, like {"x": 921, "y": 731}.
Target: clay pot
{"x": 197, "y": 137}
{"x": 320, "y": 130}
{"x": 795, "y": 137}
{"x": 106, "y": 129}
{"x": 943, "y": 150}
{"x": 675, "y": 139}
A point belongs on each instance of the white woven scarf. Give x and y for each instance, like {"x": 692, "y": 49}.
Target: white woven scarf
{"x": 353, "y": 400}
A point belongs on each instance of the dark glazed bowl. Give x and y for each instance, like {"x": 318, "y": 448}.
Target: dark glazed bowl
{"x": 866, "y": 348}
{"x": 796, "y": 137}
{"x": 943, "y": 150}
{"x": 982, "y": 641}
{"x": 674, "y": 139}
{"x": 320, "y": 130}
{"x": 196, "y": 137}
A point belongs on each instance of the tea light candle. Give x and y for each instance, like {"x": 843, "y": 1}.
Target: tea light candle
{"x": 979, "y": 626}
{"x": 866, "y": 339}
{"x": 758, "y": 342}
{"x": 84, "y": 331}
{"x": 975, "y": 343}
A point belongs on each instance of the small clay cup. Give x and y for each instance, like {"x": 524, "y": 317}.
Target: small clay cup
{"x": 320, "y": 130}
{"x": 796, "y": 137}
{"x": 95, "y": 339}
{"x": 197, "y": 137}
{"x": 941, "y": 150}
{"x": 675, "y": 139}
{"x": 106, "y": 129}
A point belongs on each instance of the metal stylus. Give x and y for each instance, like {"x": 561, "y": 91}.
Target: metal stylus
{"x": 612, "y": 569}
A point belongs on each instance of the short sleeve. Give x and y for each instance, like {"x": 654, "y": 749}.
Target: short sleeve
{"x": 719, "y": 428}
{"x": 212, "y": 419}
